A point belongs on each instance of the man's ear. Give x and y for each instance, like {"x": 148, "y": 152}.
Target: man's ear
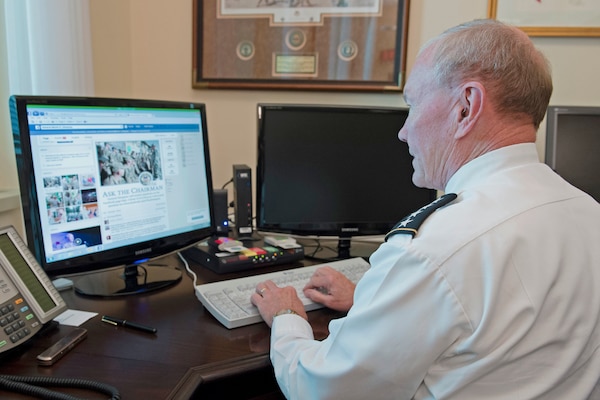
{"x": 471, "y": 101}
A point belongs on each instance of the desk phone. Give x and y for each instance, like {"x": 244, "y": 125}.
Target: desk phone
{"x": 28, "y": 299}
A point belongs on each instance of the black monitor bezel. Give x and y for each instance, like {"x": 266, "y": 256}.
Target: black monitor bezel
{"x": 336, "y": 230}
{"x": 29, "y": 199}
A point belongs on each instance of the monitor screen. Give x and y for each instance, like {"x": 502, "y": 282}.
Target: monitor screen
{"x": 109, "y": 182}
{"x": 333, "y": 171}
{"x": 573, "y": 146}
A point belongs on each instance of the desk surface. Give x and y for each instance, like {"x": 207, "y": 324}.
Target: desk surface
{"x": 148, "y": 366}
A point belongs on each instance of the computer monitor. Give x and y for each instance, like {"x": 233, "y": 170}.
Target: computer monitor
{"x": 112, "y": 182}
{"x": 336, "y": 171}
{"x": 573, "y": 145}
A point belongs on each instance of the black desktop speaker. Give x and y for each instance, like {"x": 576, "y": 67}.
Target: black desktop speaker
{"x": 221, "y": 211}
{"x": 242, "y": 199}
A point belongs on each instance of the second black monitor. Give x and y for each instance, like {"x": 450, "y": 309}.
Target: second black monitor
{"x": 333, "y": 170}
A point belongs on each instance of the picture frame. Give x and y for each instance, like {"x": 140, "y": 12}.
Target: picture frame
{"x": 355, "y": 45}
{"x": 575, "y": 18}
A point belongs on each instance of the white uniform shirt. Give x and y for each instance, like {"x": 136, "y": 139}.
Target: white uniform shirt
{"x": 496, "y": 297}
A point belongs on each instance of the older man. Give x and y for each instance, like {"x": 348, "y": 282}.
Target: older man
{"x": 496, "y": 294}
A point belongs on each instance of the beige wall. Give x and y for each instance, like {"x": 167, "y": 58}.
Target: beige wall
{"x": 143, "y": 48}
{"x": 156, "y": 55}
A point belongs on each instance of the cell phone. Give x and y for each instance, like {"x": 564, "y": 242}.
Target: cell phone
{"x": 55, "y": 352}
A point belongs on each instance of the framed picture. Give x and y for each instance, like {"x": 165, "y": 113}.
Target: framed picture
{"x": 549, "y": 17}
{"x": 300, "y": 44}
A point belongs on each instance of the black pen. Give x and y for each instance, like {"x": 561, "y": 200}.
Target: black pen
{"x": 128, "y": 324}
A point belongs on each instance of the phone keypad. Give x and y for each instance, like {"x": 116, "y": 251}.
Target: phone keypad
{"x": 13, "y": 321}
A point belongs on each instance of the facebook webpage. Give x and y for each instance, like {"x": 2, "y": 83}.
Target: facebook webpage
{"x": 108, "y": 178}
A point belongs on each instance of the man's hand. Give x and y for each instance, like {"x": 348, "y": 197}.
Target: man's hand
{"x": 330, "y": 288}
{"x": 270, "y": 299}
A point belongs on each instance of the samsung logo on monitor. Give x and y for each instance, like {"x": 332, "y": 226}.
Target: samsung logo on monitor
{"x": 143, "y": 251}
{"x": 355, "y": 229}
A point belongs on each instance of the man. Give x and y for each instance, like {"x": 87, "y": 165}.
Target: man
{"x": 118, "y": 171}
{"x": 104, "y": 168}
{"x": 496, "y": 295}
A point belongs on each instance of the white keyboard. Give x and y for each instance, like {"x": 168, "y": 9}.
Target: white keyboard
{"x": 229, "y": 301}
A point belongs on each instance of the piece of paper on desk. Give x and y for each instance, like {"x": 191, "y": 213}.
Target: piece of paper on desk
{"x": 74, "y": 317}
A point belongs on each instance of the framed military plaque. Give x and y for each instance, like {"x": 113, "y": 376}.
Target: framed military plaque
{"x": 300, "y": 44}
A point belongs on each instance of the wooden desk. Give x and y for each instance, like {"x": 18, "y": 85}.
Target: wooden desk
{"x": 189, "y": 346}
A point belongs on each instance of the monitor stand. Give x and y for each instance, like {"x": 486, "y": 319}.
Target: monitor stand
{"x": 344, "y": 248}
{"x": 132, "y": 279}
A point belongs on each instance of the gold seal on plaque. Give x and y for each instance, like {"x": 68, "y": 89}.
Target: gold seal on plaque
{"x": 347, "y": 50}
{"x": 245, "y": 50}
{"x": 295, "y": 39}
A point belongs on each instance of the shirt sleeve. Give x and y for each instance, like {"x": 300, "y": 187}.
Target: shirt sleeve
{"x": 404, "y": 317}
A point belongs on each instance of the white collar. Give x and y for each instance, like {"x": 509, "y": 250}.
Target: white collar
{"x": 478, "y": 170}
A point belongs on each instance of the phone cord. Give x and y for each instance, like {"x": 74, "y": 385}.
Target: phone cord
{"x": 29, "y": 385}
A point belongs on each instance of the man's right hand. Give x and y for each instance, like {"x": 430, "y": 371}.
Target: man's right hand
{"x": 330, "y": 288}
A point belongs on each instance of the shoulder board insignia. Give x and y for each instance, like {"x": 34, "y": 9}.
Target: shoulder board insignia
{"x": 410, "y": 224}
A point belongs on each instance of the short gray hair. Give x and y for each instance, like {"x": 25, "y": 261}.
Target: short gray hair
{"x": 502, "y": 58}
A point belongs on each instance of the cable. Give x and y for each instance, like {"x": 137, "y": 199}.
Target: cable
{"x": 227, "y": 183}
{"x": 187, "y": 268}
{"x": 30, "y": 385}
{"x": 318, "y": 247}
